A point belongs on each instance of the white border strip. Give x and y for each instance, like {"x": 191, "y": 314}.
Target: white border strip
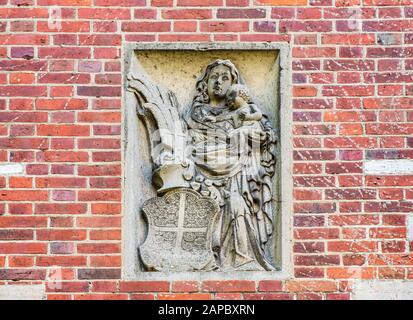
{"x": 390, "y": 167}
{"x": 11, "y": 168}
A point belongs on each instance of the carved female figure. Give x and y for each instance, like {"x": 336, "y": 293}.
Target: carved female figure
{"x": 232, "y": 148}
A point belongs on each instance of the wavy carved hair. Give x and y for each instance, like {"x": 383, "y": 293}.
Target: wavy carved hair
{"x": 202, "y": 83}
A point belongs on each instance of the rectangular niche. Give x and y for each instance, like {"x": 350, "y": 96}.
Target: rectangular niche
{"x": 265, "y": 68}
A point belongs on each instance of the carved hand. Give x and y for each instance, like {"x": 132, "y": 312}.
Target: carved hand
{"x": 210, "y": 119}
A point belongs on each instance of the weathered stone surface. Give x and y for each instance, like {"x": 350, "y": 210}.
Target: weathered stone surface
{"x": 224, "y": 147}
{"x": 179, "y": 237}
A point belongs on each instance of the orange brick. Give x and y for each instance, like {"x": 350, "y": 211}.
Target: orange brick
{"x": 20, "y": 182}
{"x": 282, "y": 2}
{"x": 310, "y": 286}
{"x": 351, "y": 273}
{"x": 21, "y": 78}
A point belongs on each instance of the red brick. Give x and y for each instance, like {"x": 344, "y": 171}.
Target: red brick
{"x": 338, "y": 296}
{"x": 104, "y": 286}
{"x": 63, "y": 261}
{"x": 309, "y": 181}
{"x": 97, "y": 143}
{"x": 144, "y": 296}
{"x": 105, "y": 261}
{"x": 309, "y": 296}
{"x": 308, "y": 221}
{"x": 61, "y": 235}
{"x": 60, "y": 208}
{"x": 23, "y": 195}
{"x": 310, "y": 286}
{"x": 85, "y": 274}
{"x": 99, "y": 170}
{"x": 316, "y": 260}
{"x": 121, "y": 3}
{"x": 98, "y": 248}
{"x": 99, "y": 195}
{"x": 309, "y": 272}
{"x": 228, "y": 286}
{"x": 308, "y": 247}
{"x": 270, "y": 285}
{"x": 349, "y": 39}
{"x": 232, "y": 26}
{"x": 81, "y": 286}
{"x": 146, "y": 26}
{"x": 60, "y": 182}
{"x": 23, "y": 116}
{"x": 63, "y": 130}
{"x": 144, "y": 286}
{"x": 185, "y": 286}
{"x": 354, "y": 219}
{"x": 184, "y": 296}
{"x": 352, "y": 246}
{"x": 63, "y": 156}
{"x": 99, "y": 117}
{"x": 21, "y": 262}
{"x": 20, "y": 208}
{"x": 306, "y": 168}
{"x": 61, "y": 222}
{"x": 314, "y": 207}
{"x": 199, "y": 3}
{"x": 105, "y": 183}
{"x": 61, "y": 248}
{"x": 305, "y": 39}
{"x": 22, "y": 274}
{"x": 15, "y": 234}
{"x": 391, "y": 194}
{"x": 106, "y": 234}
{"x": 194, "y": 14}
{"x": 354, "y": 259}
{"x": 391, "y": 273}
{"x": 62, "y": 143}
{"x": 351, "y": 272}
{"x": 317, "y": 233}
{"x": 390, "y": 259}
{"x": 98, "y": 222}
{"x": 106, "y": 208}
{"x": 20, "y": 182}
{"x": 23, "y": 248}
{"x": 62, "y": 169}
{"x": 228, "y": 296}
{"x": 387, "y": 233}
{"x": 21, "y": 130}
{"x": 241, "y": 13}
{"x": 64, "y": 53}
{"x": 268, "y": 296}
{"x": 393, "y": 246}
{"x": 22, "y": 222}
{"x": 103, "y": 14}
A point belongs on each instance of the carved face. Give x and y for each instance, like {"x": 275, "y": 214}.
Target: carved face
{"x": 219, "y": 82}
{"x": 234, "y": 101}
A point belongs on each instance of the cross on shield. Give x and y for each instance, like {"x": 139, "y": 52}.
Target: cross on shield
{"x": 179, "y": 232}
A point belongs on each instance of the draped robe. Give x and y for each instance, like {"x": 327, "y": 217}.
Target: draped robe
{"x": 235, "y": 166}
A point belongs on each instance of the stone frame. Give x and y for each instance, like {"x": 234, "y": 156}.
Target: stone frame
{"x": 129, "y": 232}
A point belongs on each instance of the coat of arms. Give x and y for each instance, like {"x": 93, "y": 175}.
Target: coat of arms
{"x": 179, "y": 235}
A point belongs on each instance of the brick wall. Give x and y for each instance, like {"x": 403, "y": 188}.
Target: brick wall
{"x": 60, "y": 118}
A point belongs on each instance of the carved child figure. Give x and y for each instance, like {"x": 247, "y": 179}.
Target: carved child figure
{"x": 243, "y": 111}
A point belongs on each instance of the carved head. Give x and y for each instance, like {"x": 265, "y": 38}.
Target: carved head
{"x": 218, "y": 77}
{"x": 238, "y": 96}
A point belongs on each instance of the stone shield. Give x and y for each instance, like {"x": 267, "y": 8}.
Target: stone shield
{"x": 179, "y": 232}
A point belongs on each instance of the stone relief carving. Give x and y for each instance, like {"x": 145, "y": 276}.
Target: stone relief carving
{"x": 179, "y": 237}
{"x": 219, "y": 156}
